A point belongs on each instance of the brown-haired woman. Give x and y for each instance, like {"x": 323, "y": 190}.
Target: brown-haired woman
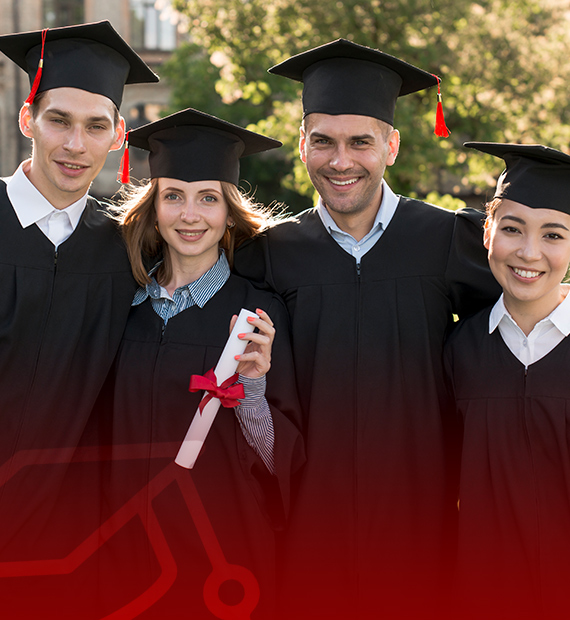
{"x": 191, "y": 215}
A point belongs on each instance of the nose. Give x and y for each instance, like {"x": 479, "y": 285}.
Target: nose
{"x": 341, "y": 159}
{"x": 529, "y": 249}
{"x": 190, "y": 212}
{"x": 75, "y": 140}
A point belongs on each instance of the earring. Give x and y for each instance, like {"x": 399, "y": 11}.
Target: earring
{"x": 231, "y": 224}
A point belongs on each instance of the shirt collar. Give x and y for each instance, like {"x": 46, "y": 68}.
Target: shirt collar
{"x": 497, "y": 313}
{"x": 31, "y": 205}
{"x": 201, "y": 290}
{"x": 559, "y": 317}
{"x": 383, "y": 216}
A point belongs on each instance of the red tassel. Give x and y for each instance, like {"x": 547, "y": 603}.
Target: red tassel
{"x": 123, "y": 175}
{"x": 39, "y": 72}
{"x": 441, "y": 129}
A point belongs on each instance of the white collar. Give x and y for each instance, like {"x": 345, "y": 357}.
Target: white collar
{"x": 383, "y": 216}
{"x": 31, "y": 205}
{"x": 559, "y": 317}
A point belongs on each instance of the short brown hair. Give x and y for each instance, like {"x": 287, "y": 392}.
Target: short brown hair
{"x": 136, "y": 214}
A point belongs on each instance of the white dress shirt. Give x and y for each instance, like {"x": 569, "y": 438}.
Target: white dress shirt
{"x": 347, "y": 242}
{"x": 546, "y": 334}
{"x": 32, "y": 207}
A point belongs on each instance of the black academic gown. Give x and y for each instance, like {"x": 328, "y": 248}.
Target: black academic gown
{"x": 514, "y": 536}
{"x": 62, "y": 316}
{"x": 184, "y": 529}
{"x": 375, "y": 510}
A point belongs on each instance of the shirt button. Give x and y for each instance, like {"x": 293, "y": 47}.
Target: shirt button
{"x": 357, "y": 248}
{"x": 525, "y": 343}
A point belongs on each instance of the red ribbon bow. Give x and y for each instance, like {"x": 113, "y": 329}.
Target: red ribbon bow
{"x": 226, "y": 393}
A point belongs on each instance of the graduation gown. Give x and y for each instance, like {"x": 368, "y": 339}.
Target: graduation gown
{"x": 514, "y": 517}
{"x": 373, "y": 510}
{"x": 187, "y": 528}
{"x": 62, "y": 315}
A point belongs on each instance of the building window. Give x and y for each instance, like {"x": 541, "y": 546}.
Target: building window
{"x": 152, "y": 28}
{"x": 58, "y": 13}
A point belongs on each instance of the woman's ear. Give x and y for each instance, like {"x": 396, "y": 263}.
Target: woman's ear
{"x": 487, "y": 232}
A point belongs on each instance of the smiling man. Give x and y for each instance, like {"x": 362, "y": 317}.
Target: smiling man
{"x": 371, "y": 281}
{"x": 67, "y": 286}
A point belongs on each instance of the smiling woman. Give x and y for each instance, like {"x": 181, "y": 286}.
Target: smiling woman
{"x": 192, "y": 219}
{"x": 189, "y": 217}
{"x": 529, "y": 254}
{"x": 508, "y": 368}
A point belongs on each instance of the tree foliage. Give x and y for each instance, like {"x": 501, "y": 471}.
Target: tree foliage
{"x": 505, "y": 66}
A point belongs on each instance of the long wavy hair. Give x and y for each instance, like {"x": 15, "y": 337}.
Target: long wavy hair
{"x": 136, "y": 214}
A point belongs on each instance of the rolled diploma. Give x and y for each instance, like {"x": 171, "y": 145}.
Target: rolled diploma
{"x": 225, "y": 368}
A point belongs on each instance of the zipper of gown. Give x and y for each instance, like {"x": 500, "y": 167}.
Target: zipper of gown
{"x": 356, "y": 427}
{"x": 533, "y": 473}
{"x": 46, "y": 320}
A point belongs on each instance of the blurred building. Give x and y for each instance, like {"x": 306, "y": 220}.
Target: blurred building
{"x": 145, "y": 25}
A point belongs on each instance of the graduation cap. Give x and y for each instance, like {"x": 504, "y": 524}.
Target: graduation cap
{"x": 93, "y": 57}
{"x": 194, "y": 146}
{"x": 535, "y": 175}
{"x": 343, "y": 77}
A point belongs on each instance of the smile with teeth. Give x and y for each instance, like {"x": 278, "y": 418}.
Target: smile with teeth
{"x": 526, "y": 274}
{"x": 347, "y": 182}
{"x": 72, "y": 166}
{"x": 190, "y": 233}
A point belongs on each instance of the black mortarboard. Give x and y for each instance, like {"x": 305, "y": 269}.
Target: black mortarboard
{"x": 93, "y": 57}
{"x": 194, "y": 146}
{"x": 535, "y": 175}
{"x": 342, "y": 77}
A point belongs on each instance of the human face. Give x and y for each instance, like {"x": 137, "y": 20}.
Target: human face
{"x": 529, "y": 253}
{"x": 346, "y": 156}
{"x": 192, "y": 218}
{"x": 72, "y": 132}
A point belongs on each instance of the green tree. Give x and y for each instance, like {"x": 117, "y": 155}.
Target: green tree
{"x": 504, "y": 64}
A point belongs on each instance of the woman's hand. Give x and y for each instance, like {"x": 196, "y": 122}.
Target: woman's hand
{"x": 256, "y": 360}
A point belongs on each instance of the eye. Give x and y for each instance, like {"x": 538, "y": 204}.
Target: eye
{"x": 553, "y": 235}
{"x": 510, "y": 229}
{"x": 170, "y": 196}
{"x": 210, "y": 198}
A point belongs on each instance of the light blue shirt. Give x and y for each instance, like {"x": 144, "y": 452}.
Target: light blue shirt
{"x": 346, "y": 241}
{"x": 196, "y": 293}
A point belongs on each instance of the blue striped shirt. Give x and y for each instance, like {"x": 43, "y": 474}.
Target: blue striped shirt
{"x": 197, "y": 293}
{"x": 253, "y": 411}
